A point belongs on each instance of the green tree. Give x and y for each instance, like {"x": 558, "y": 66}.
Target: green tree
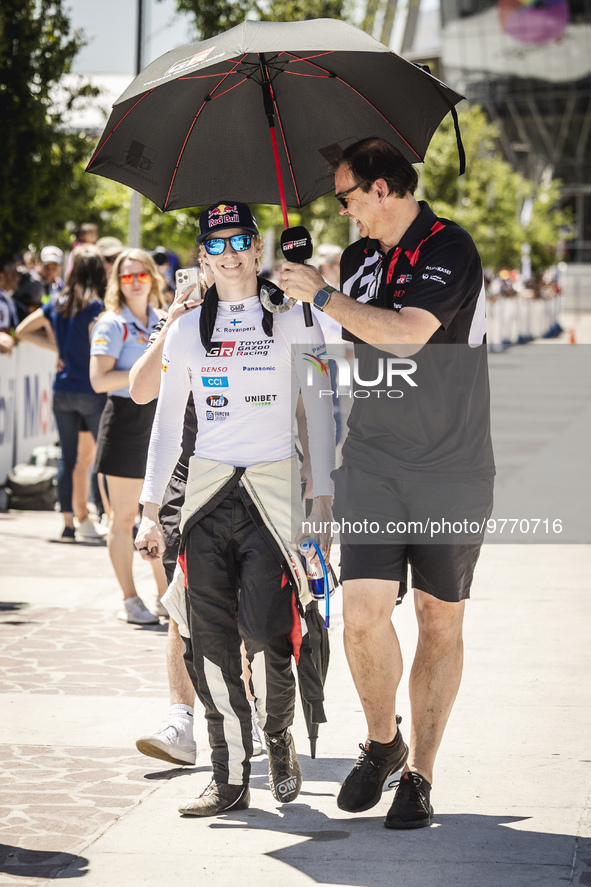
{"x": 211, "y": 17}
{"x": 41, "y": 184}
{"x": 488, "y": 199}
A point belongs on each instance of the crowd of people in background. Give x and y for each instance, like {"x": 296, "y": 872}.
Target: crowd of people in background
{"x": 95, "y": 308}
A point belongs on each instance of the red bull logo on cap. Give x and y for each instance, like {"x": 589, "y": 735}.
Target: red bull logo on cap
{"x": 223, "y": 214}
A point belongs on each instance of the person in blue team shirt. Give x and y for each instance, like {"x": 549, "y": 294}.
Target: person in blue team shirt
{"x": 63, "y": 325}
{"x": 134, "y": 304}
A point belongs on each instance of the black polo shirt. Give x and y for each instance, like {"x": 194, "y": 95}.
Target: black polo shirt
{"x": 434, "y": 422}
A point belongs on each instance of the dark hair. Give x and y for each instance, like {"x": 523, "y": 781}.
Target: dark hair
{"x": 87, "y": 281}
{"x": 374, "y": 158}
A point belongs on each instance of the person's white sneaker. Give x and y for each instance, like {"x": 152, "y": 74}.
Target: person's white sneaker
{"x": 257, "y": 742}
{"x": 87, "y": 530}
{"x": 136, "y": 612}
{"x": 170, "y": 744}
{"x": 159, "y": 608}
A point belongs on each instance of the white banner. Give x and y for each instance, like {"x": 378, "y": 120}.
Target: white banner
{"x": 35, "y": 422}
{"x": 8, "y": 372}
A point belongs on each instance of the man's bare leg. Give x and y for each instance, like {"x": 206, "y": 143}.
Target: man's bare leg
{"x": 174, "y": 742}
{"x": 180, "y": 687}
{"x": 373, "y": 651}
{"x": 435, "y": 677}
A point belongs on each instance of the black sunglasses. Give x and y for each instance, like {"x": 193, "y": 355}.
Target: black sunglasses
{"x": 342, "y": 197}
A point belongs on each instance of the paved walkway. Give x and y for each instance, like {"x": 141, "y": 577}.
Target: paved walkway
{"x": 512, "y": 785}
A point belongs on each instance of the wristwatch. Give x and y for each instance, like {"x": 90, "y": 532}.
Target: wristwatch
{"x": 322, "y": 297}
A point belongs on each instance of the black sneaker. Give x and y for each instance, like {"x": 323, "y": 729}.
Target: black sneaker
{"x": 362, "y": 789}
{"x": 411, "y": 807}
{"x": 285, "y": 776}
{"x": 218, "y": 797}
{"x": 68, "y": 535}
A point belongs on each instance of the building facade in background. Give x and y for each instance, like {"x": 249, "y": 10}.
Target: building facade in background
{"x": 528, "y": 64}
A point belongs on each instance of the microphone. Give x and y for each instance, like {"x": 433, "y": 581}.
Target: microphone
{"x": 297, "y": 246}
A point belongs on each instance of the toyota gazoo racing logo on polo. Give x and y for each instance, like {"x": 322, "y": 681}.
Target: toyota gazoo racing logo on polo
{"x": 215, "y": 381}
{"x": 216, "y": 400}
{"x": 223, "y": 214}
{"x": 256, "y": 348}
{"x": 221, "y": 349}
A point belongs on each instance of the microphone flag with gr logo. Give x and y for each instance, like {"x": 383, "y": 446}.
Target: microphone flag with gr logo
{"x": 297, "y": 246}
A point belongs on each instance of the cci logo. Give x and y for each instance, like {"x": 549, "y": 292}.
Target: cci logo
{"x": 215, "y": 381}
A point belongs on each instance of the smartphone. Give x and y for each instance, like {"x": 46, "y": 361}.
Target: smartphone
{"x": 185, "y": 277}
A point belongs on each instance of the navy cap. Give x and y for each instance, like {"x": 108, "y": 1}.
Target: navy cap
{"x": 225, "y": 215}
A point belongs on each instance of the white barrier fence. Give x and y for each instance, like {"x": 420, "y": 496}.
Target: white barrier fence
{"x": 26, "y": 376}
{"x": 517, "y": 320}
{"x": 26, "y": 395}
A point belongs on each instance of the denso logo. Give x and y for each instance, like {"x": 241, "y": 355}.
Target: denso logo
{"x": 216, "y": 400}
{"x": 214, "y": 369}
{"x": 221, "y": 349}
{"x": 215, "y": 381}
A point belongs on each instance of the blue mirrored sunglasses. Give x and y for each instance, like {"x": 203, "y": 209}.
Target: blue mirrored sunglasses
{"x": 215, "y": 246}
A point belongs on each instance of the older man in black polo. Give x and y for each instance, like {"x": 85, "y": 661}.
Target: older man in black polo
{"x": 415, "y": 487}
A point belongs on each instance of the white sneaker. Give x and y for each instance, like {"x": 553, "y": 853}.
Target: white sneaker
{"x": 87, "y": 530}
{"x": 136, "y": 612}
{"x": 257, "y": 742}
{"x": 159, "y": 608}
{"x": 170, "y": 743}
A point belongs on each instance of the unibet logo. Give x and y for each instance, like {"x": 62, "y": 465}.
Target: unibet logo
{"x": 260, "y": 399}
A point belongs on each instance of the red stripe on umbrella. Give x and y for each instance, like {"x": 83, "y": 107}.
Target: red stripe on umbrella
{"x": 225, "y": 76}
{"x": 97, "y": 152}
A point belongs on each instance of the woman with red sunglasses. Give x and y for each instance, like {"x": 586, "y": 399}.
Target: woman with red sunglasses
{"x": 134, "y": 301}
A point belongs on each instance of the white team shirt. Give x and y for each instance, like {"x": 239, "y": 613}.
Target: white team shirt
{"x": 245, "y": 390}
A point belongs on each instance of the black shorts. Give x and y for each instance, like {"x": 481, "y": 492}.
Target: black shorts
{"x": 434, "y": 528}
{"x": 124, "y": 436}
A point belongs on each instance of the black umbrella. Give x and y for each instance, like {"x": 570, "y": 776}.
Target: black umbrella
{"x": 195, "y": 124}
{"x": 312, "y": 670}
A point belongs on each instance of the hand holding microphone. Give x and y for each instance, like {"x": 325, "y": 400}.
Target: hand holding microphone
{"x": 297, "y": 246}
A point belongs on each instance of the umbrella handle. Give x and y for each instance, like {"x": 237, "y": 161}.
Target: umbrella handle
{"x": 304, "y": 547}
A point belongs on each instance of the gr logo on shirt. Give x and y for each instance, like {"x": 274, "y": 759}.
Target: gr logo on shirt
{"x": 214, "y": 381}
{"x": 221, "y": 349}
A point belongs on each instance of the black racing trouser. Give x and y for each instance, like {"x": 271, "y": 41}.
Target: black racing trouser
{"x": 236, "y": 590}
{"x": 170, "y": 517}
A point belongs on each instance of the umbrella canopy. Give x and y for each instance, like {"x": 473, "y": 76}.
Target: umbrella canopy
{"x": 193, "y": 127}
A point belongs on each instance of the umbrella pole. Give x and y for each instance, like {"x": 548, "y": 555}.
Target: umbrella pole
{"x": 279, "y": 178}
{"x": 270, "y": 112}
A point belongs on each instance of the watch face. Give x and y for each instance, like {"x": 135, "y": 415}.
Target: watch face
{"x": 321, "y": 298}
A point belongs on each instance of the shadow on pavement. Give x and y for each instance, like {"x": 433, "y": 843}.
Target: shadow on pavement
{"x": 458, "y": 848}
{"x": 21, "y": 862}
{"x": 12, "y": 605}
